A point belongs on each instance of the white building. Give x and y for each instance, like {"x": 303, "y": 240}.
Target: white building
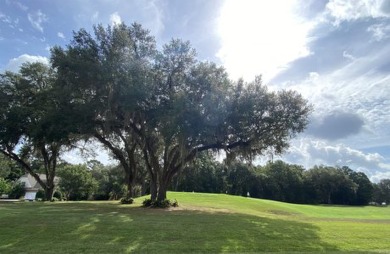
{"x": 32, "y": 186}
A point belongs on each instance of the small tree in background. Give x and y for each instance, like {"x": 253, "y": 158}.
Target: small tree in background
{"x": 111, "y": 181}
{"x": 5, "y": 186}
{"x": 76, "y": 182}
{"x": 382, "y": 191}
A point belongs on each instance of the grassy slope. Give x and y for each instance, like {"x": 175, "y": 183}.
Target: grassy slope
{"x": 202, "y": 223}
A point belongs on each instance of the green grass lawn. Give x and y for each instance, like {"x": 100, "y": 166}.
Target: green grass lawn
{"x": 203, "y": 223}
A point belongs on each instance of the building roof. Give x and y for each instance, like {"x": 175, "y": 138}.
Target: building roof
{"x": 31, "y": 183}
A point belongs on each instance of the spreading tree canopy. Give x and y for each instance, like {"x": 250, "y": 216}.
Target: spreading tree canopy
{"x": 33, "y": 127}
{"x": 165, "y": 106}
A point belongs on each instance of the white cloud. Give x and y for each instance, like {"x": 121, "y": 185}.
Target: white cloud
{"x": 153, "y": 15}
{"x": 261, "y": 37}
{"x": 36, "y": 19}
{"x": 115, "y": 19}
{"x": 9, "y": 21}
{"x": 15, "y": 63}
{"x": 310, "y": 152}
{"x": 348, "y": 56}
{"x": 5, "y": 18}
{"x": 379, "y": 31}
{"x": 349, "y": 10}
{"x": 149, "y": 13}
{"x": 356, "y": 85}
{"x": 21, "y": 6}
{"x": 359, "y": 87}
{"x": 61, "y": 35}
{"x": 380, "y": 175}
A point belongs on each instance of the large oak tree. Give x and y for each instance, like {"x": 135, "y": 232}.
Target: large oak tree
{"x": 166, "y": 105}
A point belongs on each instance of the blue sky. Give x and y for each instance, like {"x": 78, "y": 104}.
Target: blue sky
{"x": 335, "y": 53}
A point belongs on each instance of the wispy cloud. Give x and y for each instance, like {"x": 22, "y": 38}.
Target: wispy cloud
{"x": 61, "y": 35}
{"x": 379, "y": 31}
{"x": 149, "y": 13}
{"x": 154, "y": 14}
{"x": 95, "y": 17}
{"x": 5, "y": 18}
{"x": 37, "y": 19}
{"x": 21, "y": 6}
{"x": 348, "y": 56}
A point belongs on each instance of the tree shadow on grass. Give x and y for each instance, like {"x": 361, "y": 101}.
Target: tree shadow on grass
{"x": 114, "y": 229}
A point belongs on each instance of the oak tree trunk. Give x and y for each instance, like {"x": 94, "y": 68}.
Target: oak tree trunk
{"x": 153, "y": 189}
{"x": 162, "y": 191}
{"x": 49, "y": 192}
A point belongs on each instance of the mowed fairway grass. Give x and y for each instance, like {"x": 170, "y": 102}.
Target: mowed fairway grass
{"x": 204, "y": 223}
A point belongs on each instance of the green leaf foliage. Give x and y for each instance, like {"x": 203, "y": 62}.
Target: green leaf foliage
{"x": 76, "y": 182}
{"x": 164, "y": 106}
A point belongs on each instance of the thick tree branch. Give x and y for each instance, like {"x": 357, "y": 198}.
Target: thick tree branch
{"x": 117, "y": 152}
{"x": 24, "y": 165}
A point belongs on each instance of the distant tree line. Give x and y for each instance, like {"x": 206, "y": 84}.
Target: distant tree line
{"x": 276, "y": 181}
{"x": 283, "y": 182}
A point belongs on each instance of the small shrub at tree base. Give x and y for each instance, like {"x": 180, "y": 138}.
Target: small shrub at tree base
{"x": 147, "y": 203}
{"x": 127, "y": 200}
{"x": 174, "y": 203}
{"x": 57, "y": 196}
{"x": 160, "y": 204}
{"x": 40, "y": 195}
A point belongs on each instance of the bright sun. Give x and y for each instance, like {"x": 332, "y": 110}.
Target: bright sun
{"x": 261, "y": 37}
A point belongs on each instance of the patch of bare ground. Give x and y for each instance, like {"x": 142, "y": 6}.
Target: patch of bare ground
{"x": 199, "y": 209}
{"x": 281, "y": 212}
